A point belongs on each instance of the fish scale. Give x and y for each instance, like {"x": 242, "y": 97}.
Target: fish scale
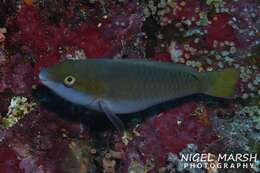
{"x": 150, "y": 83}
{"x": 127, "y": 86}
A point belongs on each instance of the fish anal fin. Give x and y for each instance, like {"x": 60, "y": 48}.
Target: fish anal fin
{"x": 115, "y": 120}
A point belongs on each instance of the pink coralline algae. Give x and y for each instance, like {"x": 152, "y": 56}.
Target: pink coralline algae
{"x": 16, "y": 77}
{"x": 50, "y": 136}
{"x": 8, "y": 160}
{"x": 169, "y": 132}
{"x": 208, "y": 35}
{"x": 165, "y": 57}
{"x": 92, "y": 41}
{"x": 186, "y": 9}
{"x": 45, "y": 40}
{"x": 220, "y": 30}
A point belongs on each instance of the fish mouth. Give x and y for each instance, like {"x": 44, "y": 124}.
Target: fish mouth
{"x": 43, "y": 75}
{"x": 45, "y": 79}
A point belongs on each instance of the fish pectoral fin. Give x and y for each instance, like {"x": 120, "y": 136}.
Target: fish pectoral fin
{"x": 115, "y": 120}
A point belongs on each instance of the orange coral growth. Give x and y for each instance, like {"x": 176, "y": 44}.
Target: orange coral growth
{"x": 2, "y": 37}
{"x": 28, "y": 2}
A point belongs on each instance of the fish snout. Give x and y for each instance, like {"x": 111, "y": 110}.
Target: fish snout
{"x": 43, "y": 75}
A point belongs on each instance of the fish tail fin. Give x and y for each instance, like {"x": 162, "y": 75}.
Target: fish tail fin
{"x": 221, "y": 83}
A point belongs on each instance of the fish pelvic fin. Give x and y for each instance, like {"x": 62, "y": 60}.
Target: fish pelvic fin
{"x": 221, "y": 83}
{"x": 114, "y": 119}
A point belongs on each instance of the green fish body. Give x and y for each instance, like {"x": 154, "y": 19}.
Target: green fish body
{"x": 127, "y": 86}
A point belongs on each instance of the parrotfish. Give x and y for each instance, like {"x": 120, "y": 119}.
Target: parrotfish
{"x": 122, "y": 86}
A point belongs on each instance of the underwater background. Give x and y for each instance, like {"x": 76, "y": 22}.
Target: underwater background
{"x": 42, "y": 133}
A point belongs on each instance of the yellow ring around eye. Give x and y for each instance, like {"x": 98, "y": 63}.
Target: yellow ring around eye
{"x": 69, "y": 80}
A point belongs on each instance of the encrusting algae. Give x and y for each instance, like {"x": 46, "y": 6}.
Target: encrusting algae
{"x": 210, "y": 36}
{"x": 18, "y": 108}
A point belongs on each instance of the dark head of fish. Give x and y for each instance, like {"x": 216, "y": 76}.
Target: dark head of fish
{"x": 57, "y": 72}
{"x": 67, "y": 79}
{"x": 53, "y": 78}
{"x": 70, "y": 73}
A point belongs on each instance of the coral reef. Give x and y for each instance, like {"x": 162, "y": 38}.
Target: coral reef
{"x": 169, "y": 132}
{"x": 207, "y": 35}
{"x": 18, "y": 108}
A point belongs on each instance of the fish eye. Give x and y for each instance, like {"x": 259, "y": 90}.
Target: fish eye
{"x": 69, "y": 80}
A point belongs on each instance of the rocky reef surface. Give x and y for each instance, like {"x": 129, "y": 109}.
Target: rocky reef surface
{"x": 41, "y": 133}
